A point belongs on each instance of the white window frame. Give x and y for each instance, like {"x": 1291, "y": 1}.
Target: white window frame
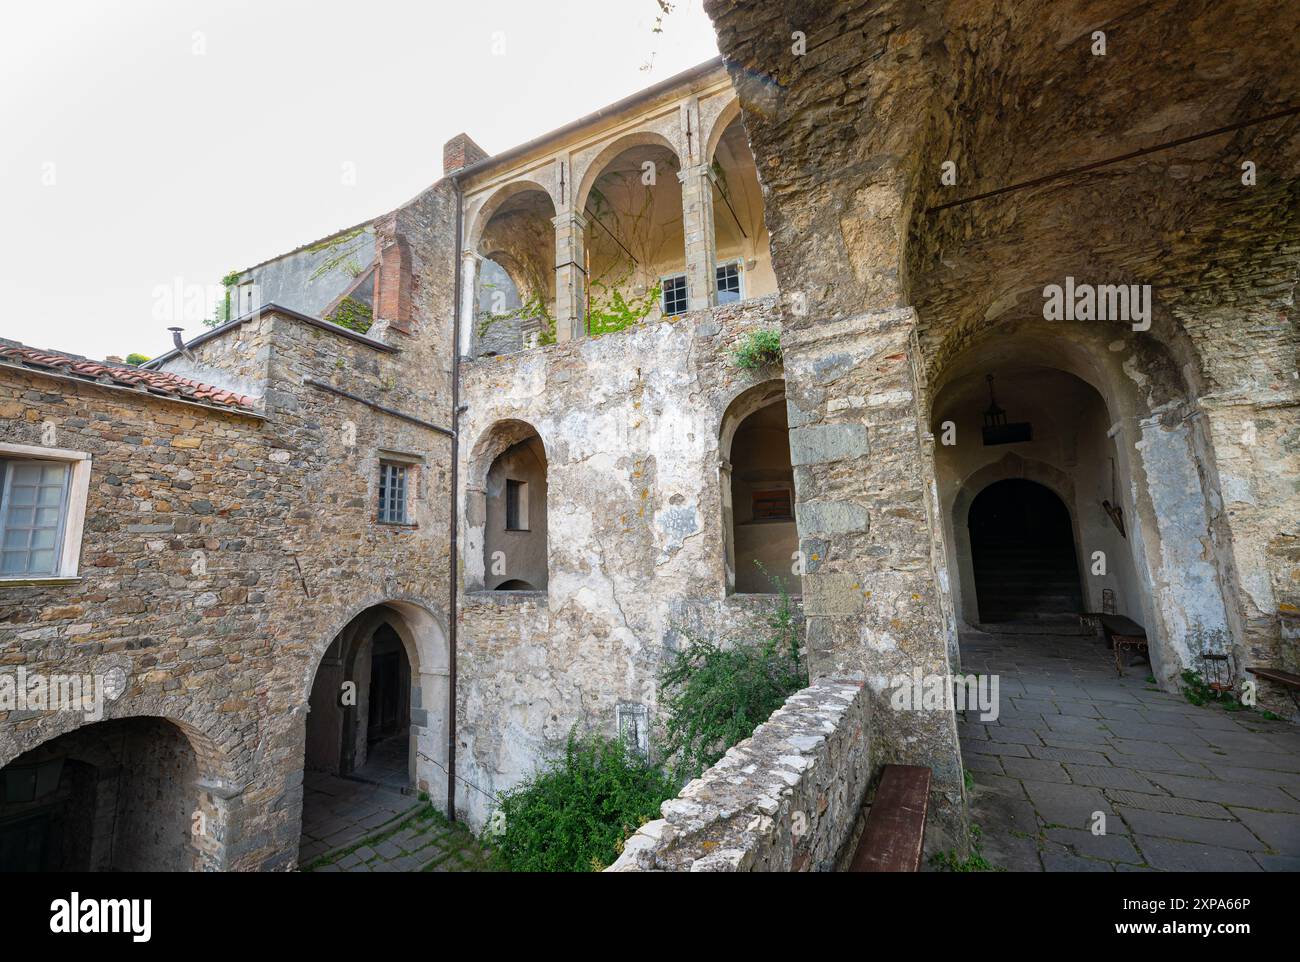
{"x": 74, "y": 512}
{"x": 739, "y": 264}
{"x": 663, "y": 294}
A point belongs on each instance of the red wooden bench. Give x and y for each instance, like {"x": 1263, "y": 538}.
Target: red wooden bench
{"x": 891, "y": 841}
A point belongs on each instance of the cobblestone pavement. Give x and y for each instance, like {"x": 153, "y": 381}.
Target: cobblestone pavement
{"x": 354, "y": 827}
{"x": 1182, "y": 787}
{"x": 337, "y": 812}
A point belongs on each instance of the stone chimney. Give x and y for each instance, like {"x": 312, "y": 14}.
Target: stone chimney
{"x": 460, "y": 152}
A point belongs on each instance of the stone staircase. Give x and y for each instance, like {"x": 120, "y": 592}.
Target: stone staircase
{"x": 1025, "y": 583}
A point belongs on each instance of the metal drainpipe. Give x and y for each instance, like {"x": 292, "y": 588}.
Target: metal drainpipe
{"x": 455, "y": 511}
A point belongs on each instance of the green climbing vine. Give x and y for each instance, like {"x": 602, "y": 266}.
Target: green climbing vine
{"x": 533, "y": 309}
{"x": 344, "y": 258}
{"x": 609, "y": 311}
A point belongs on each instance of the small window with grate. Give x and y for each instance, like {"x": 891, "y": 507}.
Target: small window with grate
{"x": 729, "y": 283}
{"x": 392, "y": 492}
{"x": 773, "y": 505}
{"x": 674, "y": 294}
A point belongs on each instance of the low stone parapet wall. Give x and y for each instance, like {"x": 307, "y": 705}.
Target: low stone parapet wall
{"x": 786, "y": 799}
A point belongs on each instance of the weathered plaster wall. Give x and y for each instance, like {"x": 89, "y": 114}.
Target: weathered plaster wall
{"x": 630, "y": 425}
{"x": 313, "y": 277}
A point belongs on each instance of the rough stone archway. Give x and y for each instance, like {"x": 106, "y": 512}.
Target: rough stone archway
{"x": 335, "y": 732}
{"x": 130, "y": 793}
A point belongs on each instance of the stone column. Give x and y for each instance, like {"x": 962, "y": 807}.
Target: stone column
{"x": 875, "y": 581}
{"x": 570, "y": 275}
{"x": 1251, "y": 443}
{"x": 469, "y": 261}
{"x": 697, "y": 223}
{"x": 728, "y": 523}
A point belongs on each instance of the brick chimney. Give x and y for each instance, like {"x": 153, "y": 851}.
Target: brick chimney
{"x": 460, "y": 152}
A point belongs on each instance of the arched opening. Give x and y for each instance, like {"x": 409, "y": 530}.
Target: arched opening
{"x": 388, "y": 710}
{"x": 743, "y": 259}
{"x": 506, "y": 511}
{"x": 375, "y": 730}
{"x": 1100, "y": 417}
{"x": 123, "y": 795}
{"x": 758, "y": 493}
{"x": 514, "y": 297}
{"x": 1048, "y": 429}
{"x": 360, "y": 718}
{"x": 516, "y": 517}
{"x": 1022, "y": 551}
{"x": 635, "y": 243}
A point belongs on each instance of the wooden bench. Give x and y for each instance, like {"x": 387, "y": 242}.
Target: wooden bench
{"x": 1124, "y": 635}
{"x": 891, "y": 840}
{"x": 1288, "y": 680}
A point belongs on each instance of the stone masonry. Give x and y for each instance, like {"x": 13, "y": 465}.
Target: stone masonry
{"x": 785, "y": 799}
{"x": 915, "y": 165}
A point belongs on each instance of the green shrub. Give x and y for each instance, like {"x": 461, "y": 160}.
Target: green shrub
{"x": 574, "y": 815}
{"x": 714, "y": 695}
{"x": 758, "y": 349}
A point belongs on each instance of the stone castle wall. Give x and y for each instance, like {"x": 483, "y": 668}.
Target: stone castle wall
{"x": 224, "y": 551}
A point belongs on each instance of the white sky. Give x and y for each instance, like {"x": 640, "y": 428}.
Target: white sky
{"x": 169, "y": 164}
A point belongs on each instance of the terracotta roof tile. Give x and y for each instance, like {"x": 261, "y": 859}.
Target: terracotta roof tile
{"x": 156, "y": 382}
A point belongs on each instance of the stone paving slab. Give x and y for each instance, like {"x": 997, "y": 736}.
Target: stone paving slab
{"x": 1080, "y": 756}
{"x": 1171, "y": 804}
{"x": 1111, "y": 848}
{"x": 417, "y": 839}
{"x": 1172, "y": 856}
{"x": 1181, "y": 787}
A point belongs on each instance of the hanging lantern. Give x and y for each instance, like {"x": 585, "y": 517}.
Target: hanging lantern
{"x": 996, "y": 428}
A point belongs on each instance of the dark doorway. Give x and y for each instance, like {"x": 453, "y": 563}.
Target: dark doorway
{"x": 384, "y": 707}
{"x": 1022, "y": 548}
{"x": 388, "y": 713}
{"x": 117, "y": 795}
